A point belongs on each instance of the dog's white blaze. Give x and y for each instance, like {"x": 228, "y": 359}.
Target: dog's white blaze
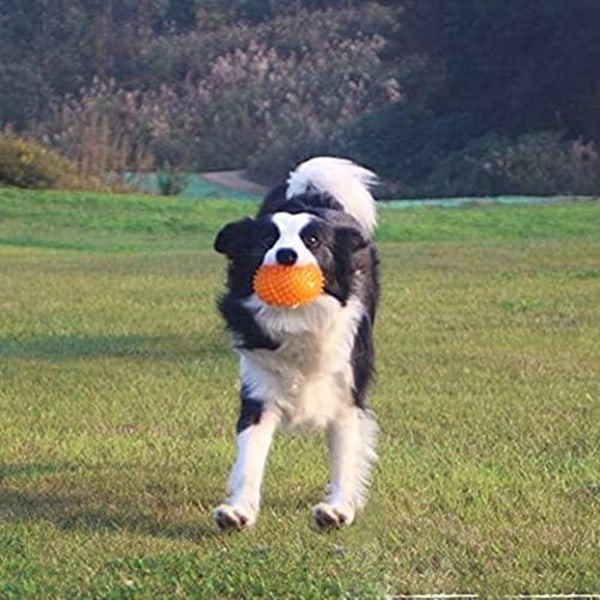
{"x": 290, "y": 226}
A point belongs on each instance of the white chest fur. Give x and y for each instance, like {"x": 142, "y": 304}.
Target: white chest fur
{"x": 309, "y": 378}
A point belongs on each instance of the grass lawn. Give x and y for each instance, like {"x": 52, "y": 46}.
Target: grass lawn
{"x": 118, "y": 399}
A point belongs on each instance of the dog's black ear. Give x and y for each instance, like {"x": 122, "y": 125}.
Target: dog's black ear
{"x": 351, "y": 238}
{"x": 234, "y": 238}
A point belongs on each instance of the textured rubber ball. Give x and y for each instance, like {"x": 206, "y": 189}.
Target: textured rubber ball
{"x": 288, "y": 286}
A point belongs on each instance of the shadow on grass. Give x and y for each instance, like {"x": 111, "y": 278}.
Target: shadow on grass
{"x": 86, "y": 512}
{"x": 72, "y": 347}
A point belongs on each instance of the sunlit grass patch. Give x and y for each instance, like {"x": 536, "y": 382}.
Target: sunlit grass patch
{"x": 118, "y": 398}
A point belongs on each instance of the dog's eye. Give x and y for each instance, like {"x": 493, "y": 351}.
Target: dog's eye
{"x": 311, "y": 241}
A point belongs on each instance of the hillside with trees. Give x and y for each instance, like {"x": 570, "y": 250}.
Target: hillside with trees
{"x": 441, "y": 97}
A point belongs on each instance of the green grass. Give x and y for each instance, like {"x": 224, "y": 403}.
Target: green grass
{"x": 118, "y": 402}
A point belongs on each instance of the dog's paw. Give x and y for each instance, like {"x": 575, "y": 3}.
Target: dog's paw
{"x": 332, "y": 516}
{"x": 228, "y": 518}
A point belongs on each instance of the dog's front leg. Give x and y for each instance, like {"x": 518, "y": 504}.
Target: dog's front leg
{"x": 255, "y": 433}
{"x": 351, "y": 441}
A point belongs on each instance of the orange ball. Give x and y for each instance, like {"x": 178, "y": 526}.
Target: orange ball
{"x": 289, "y": 286}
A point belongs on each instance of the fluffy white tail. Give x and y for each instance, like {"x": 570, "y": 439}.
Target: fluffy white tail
{"x": 342, "y": 179}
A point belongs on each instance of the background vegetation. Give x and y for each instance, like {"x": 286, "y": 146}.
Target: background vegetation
{"x": 118, "y": 401}
{"x": 439, "y": 97}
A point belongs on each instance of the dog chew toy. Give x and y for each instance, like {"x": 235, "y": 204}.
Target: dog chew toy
{"x": 288, "y": 286}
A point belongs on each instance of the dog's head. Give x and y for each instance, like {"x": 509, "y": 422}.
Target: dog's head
{"x": 325, "y": 238}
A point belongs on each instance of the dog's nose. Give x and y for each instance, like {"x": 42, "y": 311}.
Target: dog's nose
{"x": 286, "y": 256}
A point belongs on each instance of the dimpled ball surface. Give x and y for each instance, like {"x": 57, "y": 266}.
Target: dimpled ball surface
{"x": 288, "y": 286}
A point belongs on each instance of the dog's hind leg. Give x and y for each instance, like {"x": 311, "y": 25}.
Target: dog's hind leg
{"x": 351, "y": 442}
{"x": 253, "y": 442}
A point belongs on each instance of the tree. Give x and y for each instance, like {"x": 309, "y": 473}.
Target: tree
{"x": 522, "y": 66}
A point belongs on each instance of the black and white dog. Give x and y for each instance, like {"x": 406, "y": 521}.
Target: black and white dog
{"x": 309, "y": 365}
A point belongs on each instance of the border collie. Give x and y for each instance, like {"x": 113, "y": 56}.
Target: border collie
{"x": 312, "y": 364}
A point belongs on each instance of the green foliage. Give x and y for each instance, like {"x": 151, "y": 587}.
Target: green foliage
{"x": 480, "y": 127}
{"x": 422, "y": 91}
{"x": 28, "y": 164}
{"x": 422, "y": 154}
{"x": 170, "y": 182}
{"x": 536, "y": 164}
{"x": 246, "y": 92}
{"x": 551, "y": 49}
{"x": 277, "y": 159}
{"x": 402, "y": 143}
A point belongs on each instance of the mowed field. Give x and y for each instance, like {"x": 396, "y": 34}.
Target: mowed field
{"x": 118, "y": 400}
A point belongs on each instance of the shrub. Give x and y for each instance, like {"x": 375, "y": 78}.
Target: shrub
{"x": 534, "y": 164}
{"x": 403, "y": 143}
{"x": 106, "y": 129}
{"x": 28, "y": 164}
{"x": 274, "y": 163}
{"x": 170, "y": 182}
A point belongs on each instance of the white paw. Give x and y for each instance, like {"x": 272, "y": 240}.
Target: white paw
{"x": 229, "y": 517}
{"x": 332, "y": 516}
